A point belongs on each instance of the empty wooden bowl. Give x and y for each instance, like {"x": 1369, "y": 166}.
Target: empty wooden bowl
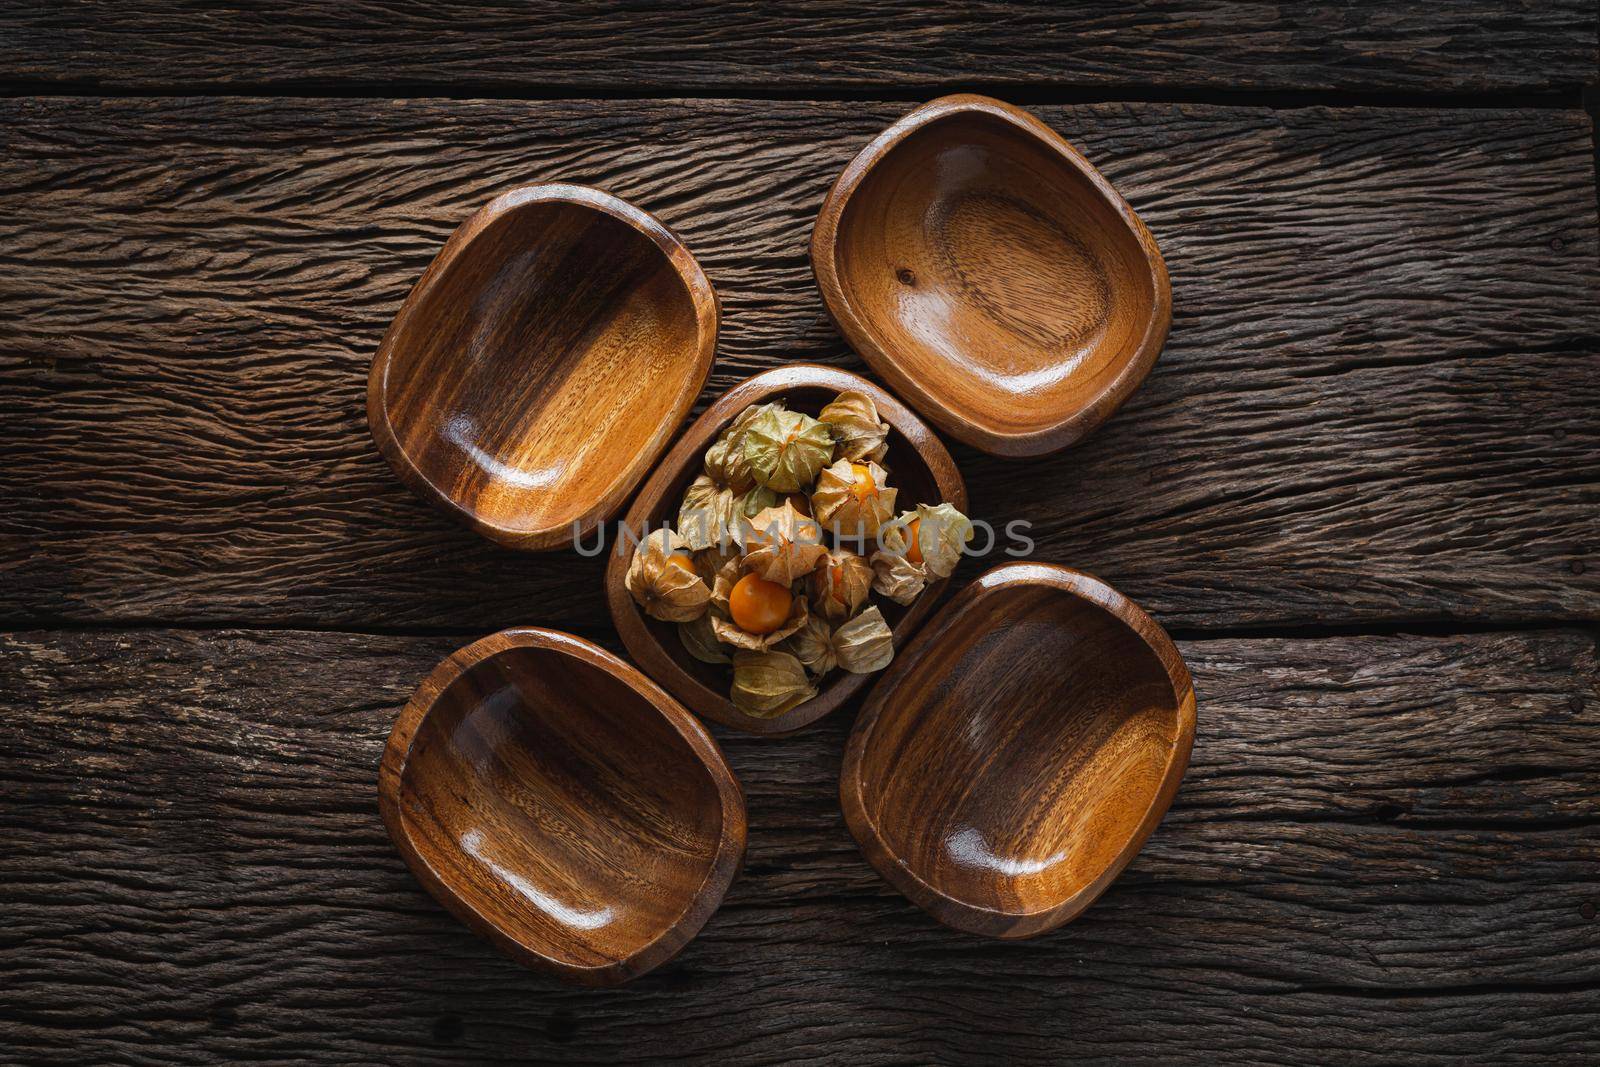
{"x": 1018, "y": 755}
{"x": 992, "y": 276}
{"x": 541, "y": 364}
{"x": 919, "y": 466}
{"x": 563, "y": 806}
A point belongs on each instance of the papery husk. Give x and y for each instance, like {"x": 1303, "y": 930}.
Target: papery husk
{"x": 812, "y": 645}
{"x": 781, "y": 544}
{"x": 786, "y": 449}
{"x": 700, "y": 640}
{"x": 725, "y": 460}
{"x": 840, "y": 584}
{"x": 858, "y": 433}
{"x": 729, "y": 633}
{"x": 865, "y": 643}
{"x": 728, "y": 576}
{"x": 942, "y": 533}
{"x": 767, "y": 684}
{"x": 708, "y": 563}
{"x": 893, "y": 537}
{"x": 665, "y": 591}
{"x": 758, "y": 499}
{"x": 836, "y": 506}
{"x": 706, "y": 515}
{"x": 897, "y": 578}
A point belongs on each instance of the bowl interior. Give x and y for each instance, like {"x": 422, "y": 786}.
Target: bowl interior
{"x": 908, "y": 472}
{"x": 561, "y": 805}
{"x": 554, "y": 348}
{"x": 992, "y": 271}
{"x": 1014, "y": 768}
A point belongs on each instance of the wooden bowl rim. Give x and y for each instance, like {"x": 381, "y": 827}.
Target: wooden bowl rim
{"x": 824, "y": 265}
{"x": 643, "y": 646}
{"x": 962, "y": 915}
{"x": 702, "y": 903}
{"x": 708, "y": 316}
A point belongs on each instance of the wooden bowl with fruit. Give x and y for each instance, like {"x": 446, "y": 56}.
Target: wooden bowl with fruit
{"x": 797, "y": 533}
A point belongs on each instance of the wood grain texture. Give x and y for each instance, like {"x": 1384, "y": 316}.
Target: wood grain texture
{"x": 1384, "y": 845}
{"x": 992, "y": 276}
{"x": 540, "y": 365}
{"x": 505, "y": 45}
{"x": 1376, "y": 402}
{"x": 1014, "y": 760}
{"x": 558, "y": 802}
{"x": 923, "y": 474}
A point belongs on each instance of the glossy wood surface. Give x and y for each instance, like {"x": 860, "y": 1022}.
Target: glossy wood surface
{"x": 992, "y": 275}
{"x": 542, "y": 362}
{"x": 560, "y": 804}
{"x": 1020, "y": 753}
{"x": 920, "y": 467}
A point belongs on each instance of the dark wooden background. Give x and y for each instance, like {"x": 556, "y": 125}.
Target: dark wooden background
{"x": 1362, "y": 488}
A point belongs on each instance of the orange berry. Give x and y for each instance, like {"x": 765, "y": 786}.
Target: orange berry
{"x": 757, "y": 605}
{"x": 837, "y": 575}
{"x": 913, "y": 544}
{"x": 863, "y": 487}
{"x": 682, "y": 562}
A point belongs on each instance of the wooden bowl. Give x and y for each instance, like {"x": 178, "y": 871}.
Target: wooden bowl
{"x": 561, "y": 805}
{"x": 1019, "y": 754}
{"x": 919, "y": 467}
{"x": 541, "y": 364}
{"x": 992, "y": 276}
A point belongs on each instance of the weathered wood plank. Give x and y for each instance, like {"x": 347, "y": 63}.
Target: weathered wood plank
{"x": 1384, "y": 847}
{"x": 660, "y": 46}
{"x": 1376, "y": 404}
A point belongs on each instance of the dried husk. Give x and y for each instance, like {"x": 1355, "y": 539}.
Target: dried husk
{"x": 700, "y": 640}
{"x": 728, "y": 575}
{"x": 708, "y": 563}
{"x": 893, "y": 537}
{"x": 896, "y": 577}
{"x": 706, "y": 516}
{"x": 725, "y": 460}
{"x": 840, "y": 584}
{"x": 781, "y": 544}
{"x": 942, "y": 533}
{"x": 812, "y": 645}
{"x": 786, "y": 449}
{"x": 757, "y": 500}
{"x": 865, "y": 643}
{"x": 858, "y": 433}
{"x": 665, "y": 591}
{"x": 837, "y": 507}
{"x": 729, "y": 633}
{"x": 767, "y": 684}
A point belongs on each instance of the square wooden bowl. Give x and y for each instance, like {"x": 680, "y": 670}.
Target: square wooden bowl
{"x": 992, "y": 276}
{"x": 560, "y": 804}
{"x": 541, "y": 363}
{"x": 1019, "y": 754}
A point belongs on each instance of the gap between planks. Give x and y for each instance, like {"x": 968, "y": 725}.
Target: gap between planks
{"x": 1400, "y": 627}
{"x": 1571, "y": 98}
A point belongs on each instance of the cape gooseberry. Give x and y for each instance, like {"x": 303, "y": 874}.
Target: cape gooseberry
{"x": 913, "y": 542}
{"x": 757, "y": 605}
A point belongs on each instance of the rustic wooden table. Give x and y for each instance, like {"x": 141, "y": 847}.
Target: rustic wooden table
{"x": 1361, "y": 487}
